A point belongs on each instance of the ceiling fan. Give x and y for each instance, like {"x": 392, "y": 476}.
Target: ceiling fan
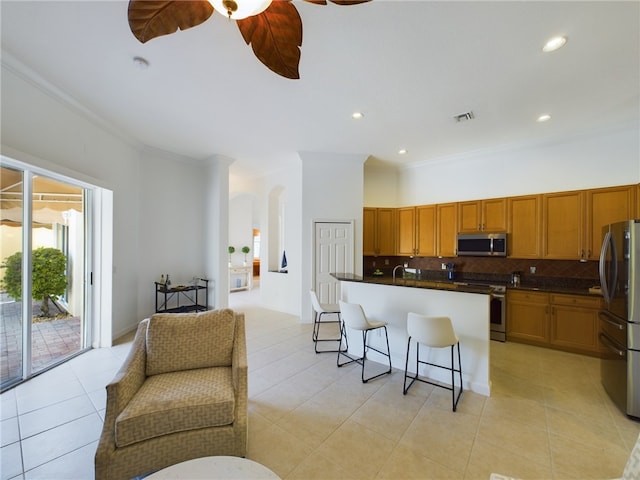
{"x": 273, "y": 28}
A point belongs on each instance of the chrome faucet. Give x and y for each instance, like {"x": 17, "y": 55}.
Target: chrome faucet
{"x": 394, "y": 271}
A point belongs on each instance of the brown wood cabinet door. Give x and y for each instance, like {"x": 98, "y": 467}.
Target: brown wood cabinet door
{"x": 406, "y": 218}
{"x": 524, "y": 226}
{"x": 386, "y": 231}
{"x": 562, "y": 216}
{"x": 527, "y": 317}
{"x": 494, "y": 215}
{"x": 605, "y": 206}
{"x": 469, "y": 217}
{"x": 447, "y": 226}
{"x": 574, "y": 328}
{"x": 574, "y": 323}
{"x": 369, "y": 231}
{"x": 426, "y": 230}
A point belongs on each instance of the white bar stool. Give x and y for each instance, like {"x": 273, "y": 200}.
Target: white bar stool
{"x": 353, "y": 317}
{"x": 321, "y": 309}
{"x": 434, "y": 332}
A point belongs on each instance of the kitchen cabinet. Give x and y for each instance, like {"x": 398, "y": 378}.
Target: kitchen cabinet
{"x": 378, "y": 231}
{"x": 563, "y": 225}
{"x": 446, "y": 229}
{"x": 604, "y": 206}
{"x": 573, "y": 221}
{"x": 483, "y": 216}
{"x": 524, "y": 226}
{"x": 561, "y": 321}
{"x": 417, "y": 231}
{"x": 574, "y": 323}
{"x": 528, "y": 317}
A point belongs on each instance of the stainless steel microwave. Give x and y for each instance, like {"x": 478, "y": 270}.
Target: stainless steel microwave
{"x": 482, "y": 244}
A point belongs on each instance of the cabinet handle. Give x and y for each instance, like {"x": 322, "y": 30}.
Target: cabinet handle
{"x": 479, "y": 226}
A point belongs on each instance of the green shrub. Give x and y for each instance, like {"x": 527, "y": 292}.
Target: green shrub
{"x": 49, "y": 277}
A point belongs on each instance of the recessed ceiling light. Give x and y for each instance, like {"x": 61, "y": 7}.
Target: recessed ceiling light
{"x": 357, "y": 115}
{"x": 403, "y": 151}
{"x": 543, "y": 118}
{"x": 141, "y": 63}
{"x": 554, "y": 44}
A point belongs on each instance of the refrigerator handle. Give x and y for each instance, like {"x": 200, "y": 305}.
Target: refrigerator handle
{"x": 610, "y": 345}
{"x": 608, "y": 283}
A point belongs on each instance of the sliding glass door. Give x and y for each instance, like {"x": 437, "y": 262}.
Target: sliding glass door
{"x": 44, "y": 294}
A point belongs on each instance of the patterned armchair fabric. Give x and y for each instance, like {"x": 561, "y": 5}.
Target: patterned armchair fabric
{"x": 180, "y": 394}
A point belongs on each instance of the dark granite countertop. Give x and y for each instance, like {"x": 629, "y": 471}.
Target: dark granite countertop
{"x": 461, "y": 286}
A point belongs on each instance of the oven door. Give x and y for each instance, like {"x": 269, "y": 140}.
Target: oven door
{"x": 497, "y": 330}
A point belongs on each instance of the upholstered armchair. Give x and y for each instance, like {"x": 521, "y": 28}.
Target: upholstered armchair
{"x": 180, "y": 394}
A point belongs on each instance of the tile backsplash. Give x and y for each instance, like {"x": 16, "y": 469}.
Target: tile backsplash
{"x": 499, "y": 269}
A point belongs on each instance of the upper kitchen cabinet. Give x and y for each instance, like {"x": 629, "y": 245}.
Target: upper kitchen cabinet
{"x": 378, "y": 231}
{"x": 524, "y": 226}
{"x": 417, "y": 231}
{"x": 483, "y": 216}
{"x": 604, "y": 206}
{"x": 446, "y": 229}
{"x": 562, "y": 230}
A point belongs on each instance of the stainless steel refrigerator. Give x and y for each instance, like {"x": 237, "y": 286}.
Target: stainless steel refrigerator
{"x": 620, "y": 317}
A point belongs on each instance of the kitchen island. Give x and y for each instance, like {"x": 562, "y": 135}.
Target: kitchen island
{"x": 466, "y": 305}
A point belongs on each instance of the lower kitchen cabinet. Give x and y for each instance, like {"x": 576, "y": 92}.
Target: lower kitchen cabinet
{"x": 560, "y": 321}
{"x": 574, "y": 323}
{"x": 527, "y": 317}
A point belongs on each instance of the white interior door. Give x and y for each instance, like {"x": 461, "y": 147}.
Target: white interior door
{"x": 333, "y": 254}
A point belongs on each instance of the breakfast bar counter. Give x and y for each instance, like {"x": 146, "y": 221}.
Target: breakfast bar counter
{"x": 467, "y": 306}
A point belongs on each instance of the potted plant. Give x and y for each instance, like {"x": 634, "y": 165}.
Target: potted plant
{"x": 245, "y": 250}
{"x": 231, "y": 250}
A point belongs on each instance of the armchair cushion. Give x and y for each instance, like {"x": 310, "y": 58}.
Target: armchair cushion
{"x": 178, "y": 401}
{"x": 208, "y": 338}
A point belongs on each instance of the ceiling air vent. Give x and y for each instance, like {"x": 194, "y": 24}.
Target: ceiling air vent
{"x": 463, "y": 117}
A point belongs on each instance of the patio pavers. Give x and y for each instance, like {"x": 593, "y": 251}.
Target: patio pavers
{"x": 51, "y": 340}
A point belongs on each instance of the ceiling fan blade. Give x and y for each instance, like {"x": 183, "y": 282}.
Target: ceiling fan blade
{"x": 348, "y": 2}
{"x": 337, "y": 2}
{"x": 275, "y": 36}
{"x": 151, "y": 19}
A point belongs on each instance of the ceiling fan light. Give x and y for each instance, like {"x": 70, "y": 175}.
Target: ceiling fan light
{"x": 239, "y": 9}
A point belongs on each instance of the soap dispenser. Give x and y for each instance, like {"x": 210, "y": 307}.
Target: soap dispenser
{"x": 450, "y": 271}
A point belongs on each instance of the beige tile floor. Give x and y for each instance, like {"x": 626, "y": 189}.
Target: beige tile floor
{"x": 548, "y": 417}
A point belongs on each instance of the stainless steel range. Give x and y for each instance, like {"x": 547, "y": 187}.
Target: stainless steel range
{"x": 498, "y": 313}
{"x": 497, "y": 310}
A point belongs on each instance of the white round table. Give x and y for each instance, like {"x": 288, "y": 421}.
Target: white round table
{"x": 209, "y": 468}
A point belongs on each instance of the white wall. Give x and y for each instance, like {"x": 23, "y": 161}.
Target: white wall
{"x": 171, "y": 223}
{"x": 332, "y": 189}
{"x": 37, "y": 127}
{"x": 589, "y": 160}
{"x": 381, "y": 184}
{"x": 282, "y": 291}
{"x": 216, "y": 221}
{"x": 241, "y": 221}
{"x": 158, "y": 210}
